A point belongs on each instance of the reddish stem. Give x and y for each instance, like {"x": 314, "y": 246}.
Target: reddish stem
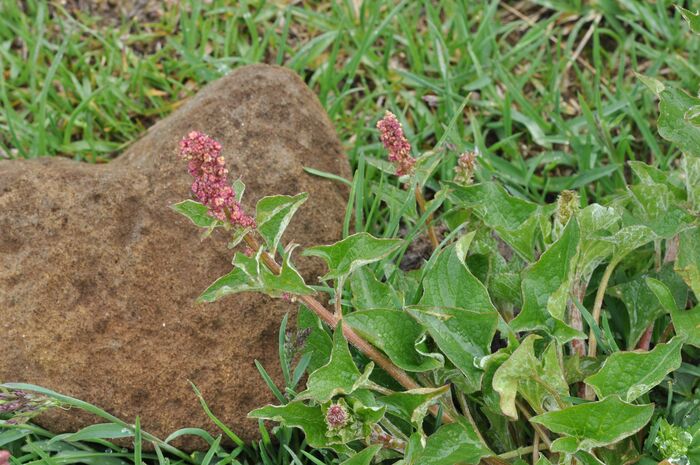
{"x": 429, "y": 221}
{"x": 332, "y": 320}
{"x": 645, "y": 340}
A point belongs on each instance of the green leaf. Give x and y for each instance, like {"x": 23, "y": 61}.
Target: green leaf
{"x": 338, "y": 376}
{"x": 413, "y": 405}
{"x": 648, "y": 174}
{"x": 514, "y": 220}
{"x": 456, "y": 443}
{"x": 309, "y": 419}
{"x": 546, "y": 287}
{"x": 595, "y": 222}
{"x": 685, "y": 322}
{"x": 688, "y": 262}
{"x": 546, "y": 388}
{"x": 397, "y": 334}
{"x": 196, "y": 213}
{"x": 691, "y": 175}
{"x": 318, "y": 344}
{"x": 369, "y": 293}
{"x": 643, "y": 308}
{"x": 632, "y": 374}
{"x": 673, "y": 123}
{"x": 364, "y": 457}
{"x": 693, "y": 19}
{"x": 273, "y": 214}
{"x": 519, "y": 366}
{"x": 99, "y": 431}
{"x": 656, "y": 206}
{"x": 351, "y": 253}
{"x": 653, "y": 84}
{"x": 238, "y": 188}
{"x": 249, "y": 275}
{"x": 594, "y": 424}
{"x": 629, "y": 239}
{"x": 457, "y": 311}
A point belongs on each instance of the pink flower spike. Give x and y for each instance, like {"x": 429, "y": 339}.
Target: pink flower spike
{"x": 392, "y": 136}
{"x": 211, "y": 187}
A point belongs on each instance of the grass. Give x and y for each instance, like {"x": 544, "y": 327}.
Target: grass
{"x": 544, "y": 89}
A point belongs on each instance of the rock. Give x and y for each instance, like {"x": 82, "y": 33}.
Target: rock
{"x": 98, "y": 276}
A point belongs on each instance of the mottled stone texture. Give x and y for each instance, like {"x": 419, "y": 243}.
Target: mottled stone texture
{"x": 98, "y": 276}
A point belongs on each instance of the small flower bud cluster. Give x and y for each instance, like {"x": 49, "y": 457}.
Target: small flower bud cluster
{"x": 466, "y": 165}
{"x": 4, "y": 457}
{"x": 392, "y": 136}
{"x": 336, "y": 416}
{"x": 23, "y": 405}
{"x": 211, "y": 186}
{"x": 567, "y": 205}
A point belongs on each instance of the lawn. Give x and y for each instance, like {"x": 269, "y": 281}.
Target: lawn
{"x": 546, "y": 91}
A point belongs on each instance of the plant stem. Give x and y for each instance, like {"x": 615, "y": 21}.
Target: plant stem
{"x": 669, "y": 257}
{"x": 461, "y": 398}
{"x": 579, "y": 291}
{"x": 645, "y": 340}
{"x": 666, "y": 335}
{"x": 429, "y": 222}
{"x": 332, "y": 320}
{"x": 540, "y": 430}
{"x": 597, "y": 305}
{"x": 519, "y": 452}
{"x": 338, "y": 307}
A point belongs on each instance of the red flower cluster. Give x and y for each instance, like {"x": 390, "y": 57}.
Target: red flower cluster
{"x": 211, "y": 186}
{"x": 392, "y": 136}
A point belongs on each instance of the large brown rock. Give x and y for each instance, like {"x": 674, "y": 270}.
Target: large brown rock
{"x": 98, "y": 276}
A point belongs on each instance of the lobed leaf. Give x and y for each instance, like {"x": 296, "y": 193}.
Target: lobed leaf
{"x": 397, "y": 335}
{"x": 456, "y": 443}
{"x": 514, "y": 219}
{"x": 364, "y": 457}
{"x": 685, "y": 322}
{"x": 338, "y": 376}
{"x": 546, "y": 287}
{"x": 369, "y": 293}
{"x": 632, "y": 374}
{"x": 413, "y": 405}
{"x": 594, "y": 424}
{"x": 196, "y": 213}
{"x": 249, "y": 275}
{"x": 309, "y": 419}
{"x": 673, "y": 122}
{"x": 519, "y": 366}
{"x": 457, "y": 311}
{"x": 273, "y": 214}
{"x": 688, "y": 262}
{"x": 351, "y": 253}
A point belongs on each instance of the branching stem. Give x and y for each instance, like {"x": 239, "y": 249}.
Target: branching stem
{"x": 332, "y": 320}
{"x": 597, "y": 306}
{"x": 540, "y": 429}
{"x": 428, "y": 222}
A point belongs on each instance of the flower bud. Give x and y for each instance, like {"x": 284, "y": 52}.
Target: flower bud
{"x": 336, "y": 416}
{"x": 567, "y": 205}
{"x": 466, "y": 165}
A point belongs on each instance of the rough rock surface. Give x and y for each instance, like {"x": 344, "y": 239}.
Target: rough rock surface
{"x": 98, "y": 276}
